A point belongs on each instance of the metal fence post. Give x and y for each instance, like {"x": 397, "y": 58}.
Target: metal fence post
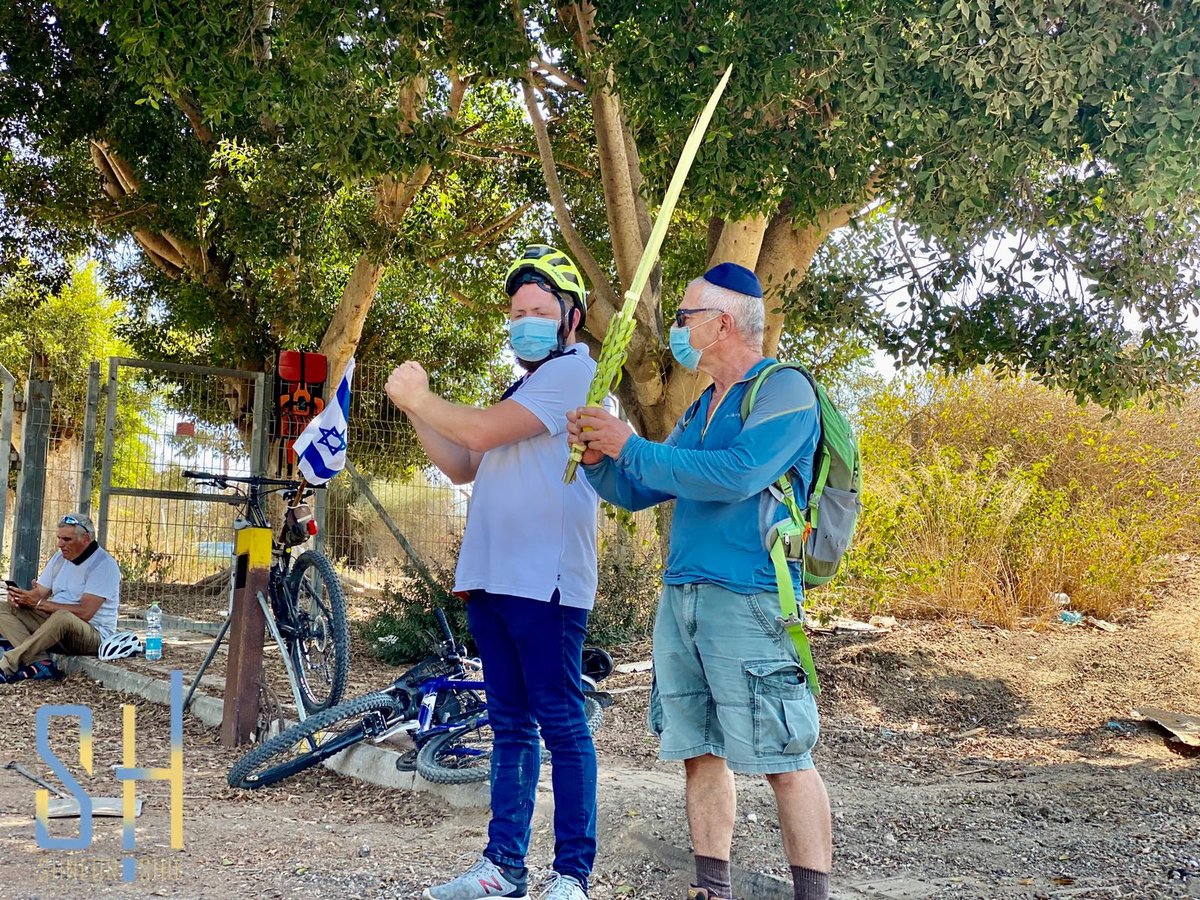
{"x": 260, "y": 445}
{"x": 89, "y": 439}
{"x": 106, "y": 460}
{"x": 6, "y": 429}
{"x": 31, "y": 484}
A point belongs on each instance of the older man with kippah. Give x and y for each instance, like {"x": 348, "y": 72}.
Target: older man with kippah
{"x": 730, "y": 693}
{"x": 71, "y": 608}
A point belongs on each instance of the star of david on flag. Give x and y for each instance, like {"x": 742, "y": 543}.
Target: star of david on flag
{"x": 321, "y": 448}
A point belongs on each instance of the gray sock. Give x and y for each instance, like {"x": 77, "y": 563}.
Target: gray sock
{"x": 809, "y": 884}
{"x": 713, "y": 875}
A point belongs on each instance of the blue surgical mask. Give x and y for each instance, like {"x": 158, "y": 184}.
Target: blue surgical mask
{"x": 681, "y": 347}
{"x": 533, "y": 338}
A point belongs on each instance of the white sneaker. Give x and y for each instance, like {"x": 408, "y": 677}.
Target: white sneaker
{"x": 563, "y": 887}
{"x": 482, "y": 880}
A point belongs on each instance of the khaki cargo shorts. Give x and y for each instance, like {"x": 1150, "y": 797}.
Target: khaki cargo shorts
{"x": 727, "y": 682}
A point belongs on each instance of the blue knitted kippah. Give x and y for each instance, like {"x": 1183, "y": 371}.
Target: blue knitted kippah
{"x": 734, "y": 278}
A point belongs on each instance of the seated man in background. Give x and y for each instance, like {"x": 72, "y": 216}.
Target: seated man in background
{"x": 71, "y": 608}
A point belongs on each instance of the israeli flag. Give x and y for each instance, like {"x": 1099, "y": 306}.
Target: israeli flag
{"x": 321, "y": 447}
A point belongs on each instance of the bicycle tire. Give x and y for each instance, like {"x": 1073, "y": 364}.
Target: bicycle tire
{"x": 336, "y": 631}
{"x": 440, "y": 759}
{"x": 249, "y": 772}
{"x": 433, "y": 759}
{"x": 594, "y": 712}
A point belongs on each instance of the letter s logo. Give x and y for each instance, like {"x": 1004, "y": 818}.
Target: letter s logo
{"x": 44, "y": 840}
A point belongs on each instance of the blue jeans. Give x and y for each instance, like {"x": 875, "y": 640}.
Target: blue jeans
{"x": 532, "y": 658}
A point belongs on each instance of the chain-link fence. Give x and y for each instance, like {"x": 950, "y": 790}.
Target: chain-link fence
{"x": 59, "y": 422}
{"x": 392, "y": 488}
{"x": 153, "y": 421}
{"x": 161, "y": 420}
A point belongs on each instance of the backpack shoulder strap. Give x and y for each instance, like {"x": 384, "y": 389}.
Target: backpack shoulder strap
{"x": 761, "y": 378}
{"x": 782, "y": 488}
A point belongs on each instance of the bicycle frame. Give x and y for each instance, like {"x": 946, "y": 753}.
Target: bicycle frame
{"x": 421, "y": 725}
{"x": 282, "y": 621}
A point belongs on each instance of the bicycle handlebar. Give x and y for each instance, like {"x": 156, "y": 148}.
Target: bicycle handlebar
{"x": 447, "y": 634}
{"x": 253, "y": 480}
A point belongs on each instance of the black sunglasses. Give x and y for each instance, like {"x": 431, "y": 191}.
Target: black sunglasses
{"x": 682, "y": 314}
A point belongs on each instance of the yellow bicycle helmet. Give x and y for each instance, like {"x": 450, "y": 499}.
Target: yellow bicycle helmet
{"x": 552, "y": 269}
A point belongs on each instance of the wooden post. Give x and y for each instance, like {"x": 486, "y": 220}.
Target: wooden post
{"x": 247, "y": 628}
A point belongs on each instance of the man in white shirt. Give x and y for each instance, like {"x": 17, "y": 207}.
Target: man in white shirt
{"x": 528, "y": 568}
{"x": 71, "y": 608}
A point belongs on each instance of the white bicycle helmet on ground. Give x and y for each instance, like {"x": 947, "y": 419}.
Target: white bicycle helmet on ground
{"x": 120, "y": 645}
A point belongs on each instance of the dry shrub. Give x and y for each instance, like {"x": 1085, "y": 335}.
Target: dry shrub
{"x": 985, "y": 497}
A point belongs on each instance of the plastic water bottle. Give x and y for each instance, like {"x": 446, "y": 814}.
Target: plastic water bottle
{"x": 154, "y": 632}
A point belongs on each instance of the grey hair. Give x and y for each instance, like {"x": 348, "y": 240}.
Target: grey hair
{"x": 747, "y": 312}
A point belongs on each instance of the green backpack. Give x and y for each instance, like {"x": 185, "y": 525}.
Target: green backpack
{"x": 819, "y": 535}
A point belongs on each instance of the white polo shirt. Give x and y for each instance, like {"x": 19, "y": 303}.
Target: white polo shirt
{"x": 528, "y": 533}
{"x": 99, "y": 575}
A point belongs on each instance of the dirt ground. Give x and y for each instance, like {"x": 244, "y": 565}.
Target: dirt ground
{"x": 961, "y": 762}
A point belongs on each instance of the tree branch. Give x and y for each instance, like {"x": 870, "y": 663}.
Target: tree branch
{"x": 158, "y": 246}
{"x": 458, "y": 91}
{"x": 516, "y": 151}
{"x": 485, "y": 234}
{"x": 196, "y": 120}
{"x": 907, "y": 256}
{"x": 554, "y": 71}
{"x": 264, "y": 13}
{"x": 562, "y": 215}
{"x": 393, "y": 197}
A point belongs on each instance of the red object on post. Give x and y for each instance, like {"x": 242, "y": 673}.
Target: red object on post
{"x": 299, "y": 389}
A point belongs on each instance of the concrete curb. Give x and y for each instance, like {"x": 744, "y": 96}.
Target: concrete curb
{"x": 365, "y": 762}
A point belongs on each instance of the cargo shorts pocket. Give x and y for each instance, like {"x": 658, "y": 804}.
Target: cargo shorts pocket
{"x": 784, "y": 712}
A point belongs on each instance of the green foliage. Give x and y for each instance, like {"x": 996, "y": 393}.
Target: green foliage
{"x": 629, "y": 583}
{"x": 1099, "y": 309}
{"x": 144, "y": 564}
{"x": 1038, "y": 162}
{"x": 984, "y": 497}
{"x": 66, "y": 329}
{"x": 404, "y": 629}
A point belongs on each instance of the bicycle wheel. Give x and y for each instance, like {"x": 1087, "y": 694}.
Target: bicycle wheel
{"x": 594, "y": 712}
{"x": 462, "y": 756}
{"x": 312, "y": 741}
{"x": 320, "y": 649}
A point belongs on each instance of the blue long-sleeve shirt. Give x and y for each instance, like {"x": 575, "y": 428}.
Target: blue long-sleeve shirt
{"x": 718, "y": 472}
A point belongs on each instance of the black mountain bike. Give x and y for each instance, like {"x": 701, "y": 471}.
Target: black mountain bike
{"x": 305, "y": 594}
{"x": 440, "y": 701}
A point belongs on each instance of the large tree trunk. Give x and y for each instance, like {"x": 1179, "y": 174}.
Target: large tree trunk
{"x": 780, "y": 253}
{"x": 345, "y": 328}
